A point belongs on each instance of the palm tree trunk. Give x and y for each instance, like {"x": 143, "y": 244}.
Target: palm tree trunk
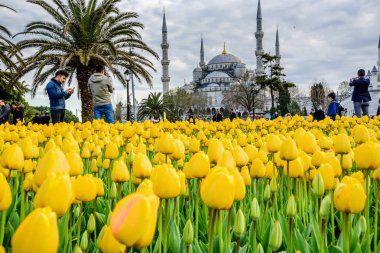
{"x": 83, "y": 74}
{"x": 272, "y": 96}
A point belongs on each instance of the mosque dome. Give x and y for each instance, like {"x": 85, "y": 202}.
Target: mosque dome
{"x": 216, "y": 74}
{"x": 224, "y": 57}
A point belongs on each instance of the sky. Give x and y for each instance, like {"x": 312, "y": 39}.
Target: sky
{"x": 320, "y": 40}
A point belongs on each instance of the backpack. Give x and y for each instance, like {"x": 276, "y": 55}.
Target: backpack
{"x": 340, "y": 109}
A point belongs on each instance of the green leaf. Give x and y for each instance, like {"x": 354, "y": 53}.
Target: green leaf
{"x": 300, "y": 242}
{"x": 174, "y": 237}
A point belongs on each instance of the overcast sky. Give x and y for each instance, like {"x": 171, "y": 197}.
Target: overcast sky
{"x": 323, "y": 39}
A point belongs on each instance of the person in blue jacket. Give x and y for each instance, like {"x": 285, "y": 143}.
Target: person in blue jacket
{"x": 333, "y": 108}
{"x": 57, "y": 96}
{"x": 360, "y": 95}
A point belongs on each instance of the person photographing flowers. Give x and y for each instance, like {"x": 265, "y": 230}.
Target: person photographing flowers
{"x": 360, "y": 95}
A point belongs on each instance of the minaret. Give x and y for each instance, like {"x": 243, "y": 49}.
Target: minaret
{"x": 278, "y": 56}
{"x": 378, "y": 62}
{"x": 259, "y": 41}
{"x": 202, "y": 61}
{"x": 165, "y": 58}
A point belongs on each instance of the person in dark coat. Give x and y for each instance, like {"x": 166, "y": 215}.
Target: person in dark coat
{"x": 378, "y": 109}
{"x": 17, "y": 112}
{"x": 45, "y": 118}
{"x": 232, "y": 115}
{"x": 333, "y": 109}
{"x": 5, "y": 112}
{"x": 218, "y": 116}
{"x": 36, "y": 119}
{"x": 360, "y": 95}
{"x": 319, "y": 114}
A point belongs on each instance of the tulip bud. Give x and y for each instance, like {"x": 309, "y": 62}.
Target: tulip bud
{"x": 188, "y": 233}
{"x": 239, "y": 224}
{"x": 91, "y": 224}
{"x": 318, "y": 185}
{"x": 100, "y": 236}
{"x": 76, "y": 211}
{"x": 325, "y": 207}
{"x": 259, "y": 248}
{"x": 113, "y": 191}
{"x": 267, "y": 192}
{"x": 77, "y": 249}
{"x": 273, "y": 185}
{"x": 255, "y": 210}
{"x": 363, "y": 224}
{"x": 275, "y": 237}
{"x": 84, "y": 241}
{"x": 291, "y": 208}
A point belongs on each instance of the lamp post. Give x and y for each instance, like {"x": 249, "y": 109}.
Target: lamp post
{"x": 127, "y": 76}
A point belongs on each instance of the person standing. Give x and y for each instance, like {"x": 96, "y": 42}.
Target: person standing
{"x": 45, "y": 118}
{"x": 57, "y": 96}
{"x": 5, "y": 112}
{"x": 319, "y": 114}
{"x": 100, "y": 87}
{"x": 333, "y": 108}
{"x": 232, "y": 115}
{"x": 378, "y": 109}
{"x": 360, "y": 95}
{"x": 36, "y": 119}
{"x": 17, "y": 112}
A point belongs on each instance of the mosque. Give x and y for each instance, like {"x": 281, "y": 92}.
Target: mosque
{"x": 222, "y": 71}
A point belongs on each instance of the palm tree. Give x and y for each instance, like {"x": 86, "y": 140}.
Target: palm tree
{"x": 153, "y": 106}
{"x": 10, "y": 58}
{"x": 83, "y": 35}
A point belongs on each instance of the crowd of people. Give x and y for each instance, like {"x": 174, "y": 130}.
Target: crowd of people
{"x": 16, "y": 109}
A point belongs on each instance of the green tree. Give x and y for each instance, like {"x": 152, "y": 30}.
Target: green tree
{"x": 83, "y": 35}
{"x": 10, "y": 58}
{"x": 294, "y": 108}
{"x": 283, "y": 101}
{"x": 30, "y": 111}
{"x": 153, "y": 106}
{"x": 179, "y": 101}
{"x": 318, "y": 95}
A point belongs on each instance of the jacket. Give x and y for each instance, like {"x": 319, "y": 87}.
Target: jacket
{"x": 333, "y": 110}
{"x": 5, "y": 113}
{"x": 319, "y": 115}
{"x": 57, "y": 95}
{"x": 360, "y": 93}
{"x": 100, "y": 87}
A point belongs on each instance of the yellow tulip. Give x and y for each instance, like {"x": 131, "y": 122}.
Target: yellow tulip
{"x": 198, "y": 166}
{"x": 141, "y": 167}
{"x": 288, "y": 150}
{"x": 165, "y": 144}
{"x": 56, "y": 192}
{"x": 178, "y": 150}
{"x": 75, "y": 162}
{"x": 325, "y": 142}
{"x": 12, "y": 158}
{"x": 241, "y": 158}
{"x": 363, "y": 156}
{"x": 226, "y": 160}
{"x": 219, "y": 182}
{"x": 273, "y": 143}
{"x": 361, "y": 134}
{"x": 38, "y": 233}
{"x": 295, "y": 169}
{"x": 166, "y": 182}
{"x": 27, "y": 148}
{"x": 109, "y": 244}
{"x": 327, "y": 173}
{"x": 120, "y": 172}
{"x": 376, "y": 174}
{"x": 99, "y": 187}
{"x": 263, "y": 156}
{"x": 54, "y": 161}
{"x": 239, "y": 186}
{"x": 349, "y": 196}
{"x": 182, "y": 179}
{"x": 112, "y": 151}
{"x": 85, "y": 188}
{"x": 257, "y": 169}
{"x": 85, "y": 153}
{"x": 246, "y": 176}
{"x": 346, "y": 162}
{"x": 335, "y": 164}
{"x": 28, "y": 166}
{"x": 251, "y": 151}
{"x": 305, "y": 159}
{"x": 194, "y": 145}
{"x": 342, "y": 144}
{"x": 106, "y": 164}
{"x": 215, "y": 150}
{"x": 131, "y": 221}
{"x": 270, "y": 170}
{"x": 317, "y": 158}
{"x": 5, "y": 194}
{"x": 308, "y": 143}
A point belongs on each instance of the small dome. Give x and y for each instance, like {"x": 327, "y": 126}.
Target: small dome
{"x": 374, "y": 69}
{"x": 197, "y": 69}
{"x": 217, "y": 74}
{"x": 224, "y": 58}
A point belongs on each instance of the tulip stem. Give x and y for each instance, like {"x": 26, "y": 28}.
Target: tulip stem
{"x": 287, "y": 178}
{"x": 376, "y": 216}
{"x": 238, "y": 245}
{"x": 166, "y": 224}
{"x": 367, "y": 206}
{"x": 22, "y": 209}
{"x": 254, "y": 235}
{"x": 220, "y": 230}
{"x": 196, "y": 209}
{"x": 228, "y": 227}
{"x": 291, "y": 234}
{"x": 346, "y": 242}
{"x": 211, "y": 230}
{"x": 79, "y": 223}
{"x": 2, "y": 231}
{"x": 332, "y": 219}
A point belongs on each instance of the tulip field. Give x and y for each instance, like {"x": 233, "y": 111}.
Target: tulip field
{"x": 287, "y": 185}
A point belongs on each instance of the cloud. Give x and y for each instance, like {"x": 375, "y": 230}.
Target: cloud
{"x": 321, "y": 39}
